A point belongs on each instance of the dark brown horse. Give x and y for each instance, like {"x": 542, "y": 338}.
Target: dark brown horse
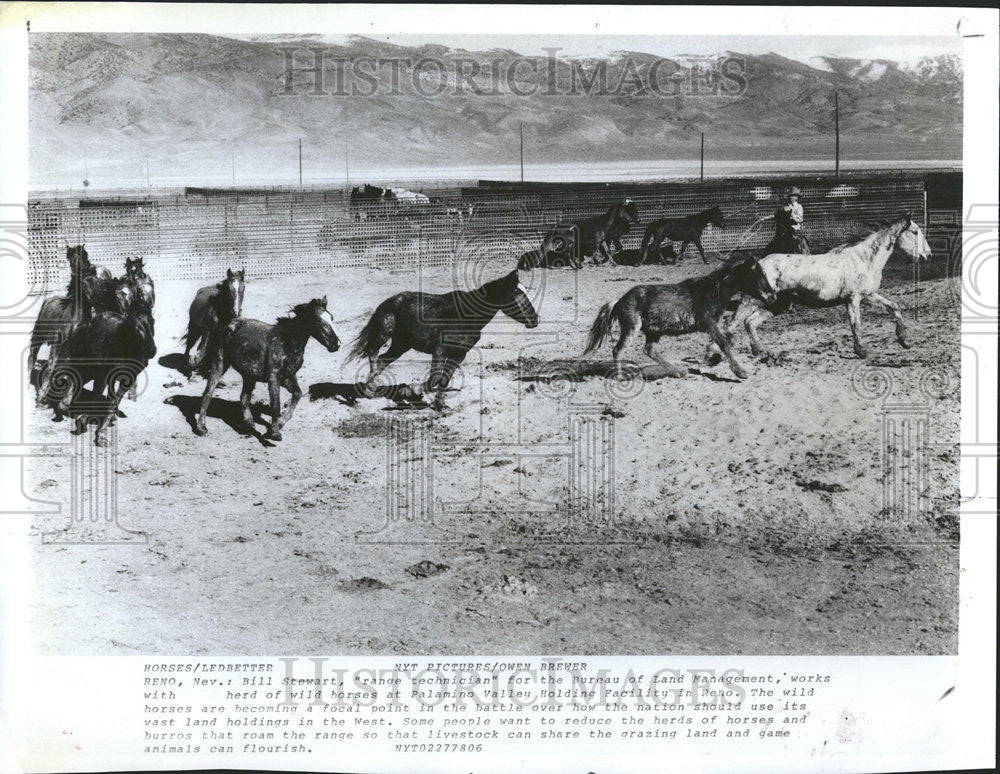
{"x": 685, "y": 230}
{"x": 211, "y": 311}
{"x": 445, "y": 326}
{"x": 695, "y": 304}
{"x": 111, "y": 349}
{"x": 136, "y": 273}
{"x": 574, "y": 241}
{"x": 268, "y": 353}
{"x": 59, "y": 315}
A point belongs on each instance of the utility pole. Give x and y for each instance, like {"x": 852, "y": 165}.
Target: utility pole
{"x": 702, "y": 155}
{"x": 300, "y": 162}
{"x": 147, "y": 173}
{"x": 836, "y": 130}
{"x": 522, "y": 151}
{"x": 232, "y": 152}
{"x": 347, "y": 166}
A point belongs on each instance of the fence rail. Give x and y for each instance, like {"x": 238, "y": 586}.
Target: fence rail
{"x": 288, "y": 232}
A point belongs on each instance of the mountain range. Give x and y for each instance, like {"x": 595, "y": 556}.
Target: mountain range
{"x": 197, "y": 108}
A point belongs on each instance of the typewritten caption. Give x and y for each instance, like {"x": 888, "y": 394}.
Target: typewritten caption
{"x": 309, "y": 706}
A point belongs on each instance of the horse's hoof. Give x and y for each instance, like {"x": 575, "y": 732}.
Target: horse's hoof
{"x": 768, "y": 358}
{"x": 200, "y": 430}
{"x": 714, "y": 358}
{"x": 904, "y": 343}
{"x": 100, "y": 440}
{"x": 861, "y": 352}
{"x": 740, "y": 373}
{"x": 273, "y": 435}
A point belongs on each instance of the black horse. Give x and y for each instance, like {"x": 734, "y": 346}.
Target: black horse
{"x": 59, "y": 315}
{"x": 268, "y": 353}
{"x": 570, "y": 243}
{"x": 687, "y": 229}
{"x": 695, "y": 304}
{"x": 111, "y": 349}
{"x": 445, "y": 326}
{"x": 211, "y": 311}
{"x": 136, "y": 273}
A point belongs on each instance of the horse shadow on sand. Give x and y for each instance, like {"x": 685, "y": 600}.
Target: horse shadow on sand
{"x": 349, "y": 393}
{"x": 228, "y": 411}
{"x": 578, "y": 370}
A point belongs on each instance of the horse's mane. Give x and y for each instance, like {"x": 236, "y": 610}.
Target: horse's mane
{"x": 717, "y": 278}
{"x": 289, "y": 321}
{"x": 867, "y": 231}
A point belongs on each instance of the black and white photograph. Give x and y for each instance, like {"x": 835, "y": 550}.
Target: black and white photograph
{"x": 372, "y": 341}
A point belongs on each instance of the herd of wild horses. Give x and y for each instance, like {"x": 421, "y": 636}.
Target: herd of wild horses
{"x": 102, "y": 330}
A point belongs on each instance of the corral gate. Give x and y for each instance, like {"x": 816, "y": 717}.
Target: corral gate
{"x": 289, "y": 232}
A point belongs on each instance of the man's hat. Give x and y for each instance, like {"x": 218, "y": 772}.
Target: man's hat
{"x": 793, "y": 191}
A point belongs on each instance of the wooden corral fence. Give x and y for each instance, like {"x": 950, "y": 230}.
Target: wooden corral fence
{"x": 198, "y": 234}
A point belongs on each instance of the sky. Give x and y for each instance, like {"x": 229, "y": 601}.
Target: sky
{"x": 800, "y": 48}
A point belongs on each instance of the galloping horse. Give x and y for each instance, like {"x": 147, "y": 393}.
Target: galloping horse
{"x": 584, "y": 238}
{"x": 136, "y": 273}
{"x": 843, "y": 276}
{"x": 110, "y": 348}
{"x": 694, "y": 304}
{"x": 59, "y": 315}
{"x": 268, "y": 353}
{"x": 211, "y": 311}
{"x": 685, "y": 230}
{"x": 445, "y": 326}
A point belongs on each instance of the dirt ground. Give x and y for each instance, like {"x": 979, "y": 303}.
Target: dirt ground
{"x": 747, "y": 517}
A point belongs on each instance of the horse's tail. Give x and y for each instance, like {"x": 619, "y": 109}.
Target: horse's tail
{"x": 368, "y": 342}
{"x": 601, "y": 328}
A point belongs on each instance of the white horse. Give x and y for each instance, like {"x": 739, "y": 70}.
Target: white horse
{"x": 845, "y": 275}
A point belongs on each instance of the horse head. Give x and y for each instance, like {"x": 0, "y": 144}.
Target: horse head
{"x": 911, "y": 240}
{"x": 629, "y": 211}
{"x": 79, "y": 261}
{"x": 234, "y": 285}
{"x": 715, "y": 217}
{"x": 144, "y": 328}
{"x": 319, "y": 322}
{"x": 134, "y": 268}
{"x": 516, "y": 303}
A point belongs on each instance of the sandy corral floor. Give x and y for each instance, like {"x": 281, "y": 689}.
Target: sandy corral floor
{"x": 745, "y": 517}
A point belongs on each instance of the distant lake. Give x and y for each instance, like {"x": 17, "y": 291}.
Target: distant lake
{"x": 633, "y": 171}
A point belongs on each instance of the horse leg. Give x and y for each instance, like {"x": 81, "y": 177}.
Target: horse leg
{"x": 247, "y": 392}
{"x": 115, "y": 394}
{"x": 722, "y": 341}
{"x": 674, "y": 371}
{"x": 893, "y": 307}
{"x": 628, "y": 324}
{"x": 443, "y": 365}
{"x": 713, "y": 353}
{"x": 380, "y": 362}
{"x": 854, "y": 318}
{"x": 274, "y": 389}
{"x": 684, "y": 246}
{"x": 211, "y": 382}
{"x": 292, "y": 385}
{"x": 697, "y": 243}
{"x": 754, "y": 319}
{"x": 193, "y": 336}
